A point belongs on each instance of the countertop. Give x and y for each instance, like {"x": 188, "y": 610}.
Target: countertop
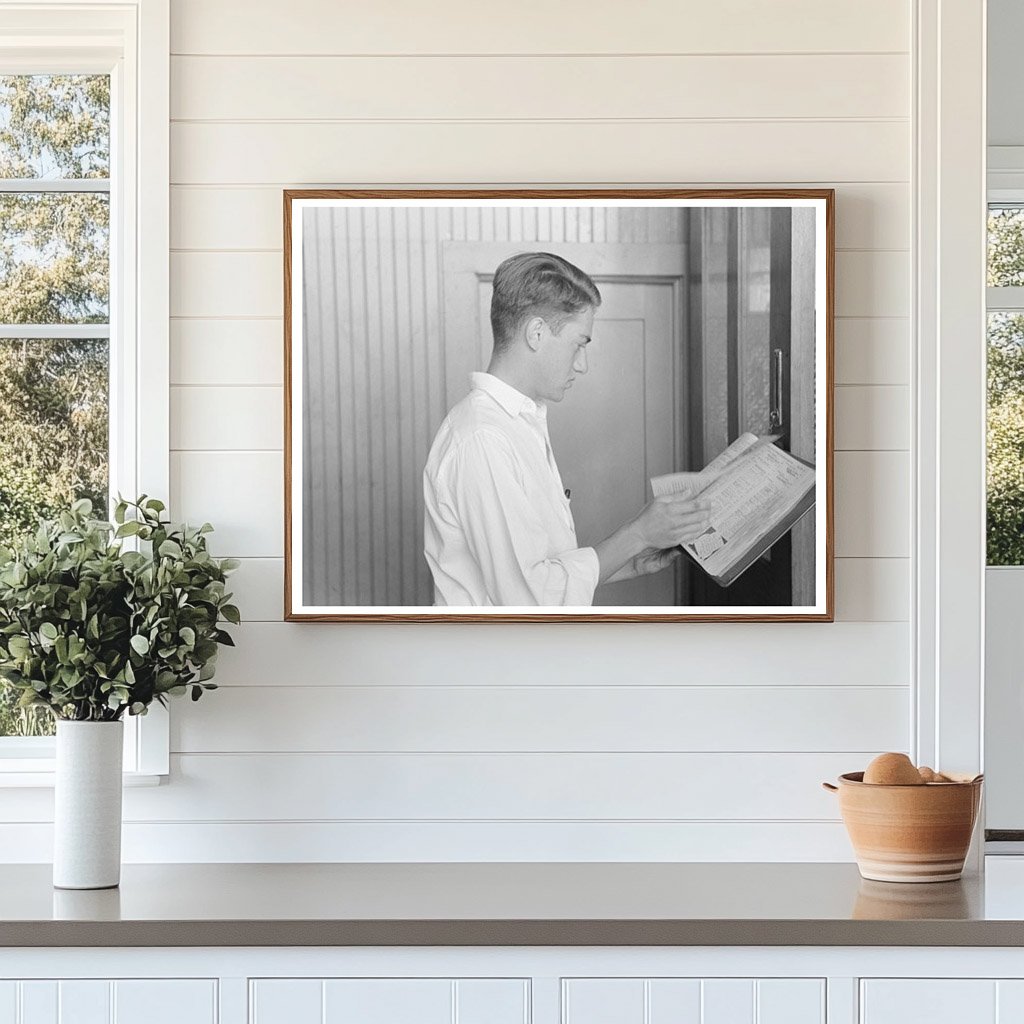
{"x": 518, "y": 904}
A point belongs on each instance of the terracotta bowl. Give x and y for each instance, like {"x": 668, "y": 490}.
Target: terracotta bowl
{"x": 909, "y": 833}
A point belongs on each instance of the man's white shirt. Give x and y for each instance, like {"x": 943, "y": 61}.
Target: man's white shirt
{"x": 498, "y": 528}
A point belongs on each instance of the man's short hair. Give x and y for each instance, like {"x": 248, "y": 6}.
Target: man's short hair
{"x": 537, "y": 284}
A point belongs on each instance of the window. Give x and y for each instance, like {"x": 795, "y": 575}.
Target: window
{"x": 84, "y": 125}
{"x": 1005, "y": 479}
{"x": 54, "y": 309}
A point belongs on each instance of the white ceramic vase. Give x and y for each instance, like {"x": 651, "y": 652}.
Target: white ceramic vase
{"x": 87, "y": 805}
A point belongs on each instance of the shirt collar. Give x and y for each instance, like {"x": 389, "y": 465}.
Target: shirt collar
{"x": 514, "y": 402}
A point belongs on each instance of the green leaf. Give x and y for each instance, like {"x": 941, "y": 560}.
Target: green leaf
{"x": 128, "y": 529}
{"x": 231, "y": 613}
{"x": 155, "y": 504}
{"x": 18, "y": 646}
{"x": 170, "y": 549}
{"x": 140, "y": 644}
{"x": 48, "y": 631}
{"x": 188, "y": 635}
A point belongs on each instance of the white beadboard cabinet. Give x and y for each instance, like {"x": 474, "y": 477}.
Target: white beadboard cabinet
{"x": 693, "y": 1001}
{"x": 108, "y": 1001}
{"x": 513, "y": 985}
{"x": 942, "y": 1001}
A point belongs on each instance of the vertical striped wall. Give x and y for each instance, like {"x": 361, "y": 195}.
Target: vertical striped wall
{"x": 660, "y": 741}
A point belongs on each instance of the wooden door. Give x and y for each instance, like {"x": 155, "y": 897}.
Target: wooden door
{"x": 624, "y": 420}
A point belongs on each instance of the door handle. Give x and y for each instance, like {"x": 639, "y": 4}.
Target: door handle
{"x": 775, "y": 396}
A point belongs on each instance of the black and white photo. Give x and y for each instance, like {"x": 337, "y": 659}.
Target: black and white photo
{"x": 507, "y": 406}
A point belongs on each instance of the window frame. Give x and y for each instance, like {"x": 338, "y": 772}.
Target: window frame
{"x": 130, "y": 41}
{"x": 1002, "y": 710}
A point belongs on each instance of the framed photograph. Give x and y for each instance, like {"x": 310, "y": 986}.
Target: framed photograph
{"x": 573, "y": 406}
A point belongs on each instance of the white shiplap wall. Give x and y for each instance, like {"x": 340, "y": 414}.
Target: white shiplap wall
{"x": 661, "y": 741}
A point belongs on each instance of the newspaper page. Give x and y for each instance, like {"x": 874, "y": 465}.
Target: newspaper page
{"x": 751, "y": 487}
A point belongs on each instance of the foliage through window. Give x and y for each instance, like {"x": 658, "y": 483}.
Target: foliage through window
{"x": 54, "y": 308}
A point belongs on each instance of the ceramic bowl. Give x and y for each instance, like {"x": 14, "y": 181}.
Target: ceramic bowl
{"x": 909, "y": 833}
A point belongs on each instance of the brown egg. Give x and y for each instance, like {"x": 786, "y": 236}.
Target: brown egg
{"x": 892, "y": 770}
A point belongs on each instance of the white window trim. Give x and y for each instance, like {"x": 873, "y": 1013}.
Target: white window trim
{"x": 949, "y": 442}
{"x": 130, "y": 40}
{"x": 1004, "y": 715}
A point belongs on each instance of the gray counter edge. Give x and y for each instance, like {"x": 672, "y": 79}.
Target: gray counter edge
{"x": 511, "y": 933}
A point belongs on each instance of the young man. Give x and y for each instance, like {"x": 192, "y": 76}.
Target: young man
{"x": 498, "y": 527}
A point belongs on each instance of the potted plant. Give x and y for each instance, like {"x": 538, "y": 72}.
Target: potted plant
{"x": 92, "y": 631}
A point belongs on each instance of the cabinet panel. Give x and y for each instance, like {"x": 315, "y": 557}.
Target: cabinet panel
{"x": 693, "y": 1001}
{"x": 789, "y": 1001}
{"x": 937, "y": 1001}
{"x": 603, "y": 1001}
{"x": 38, "y": 1002}
{"x": 728, "y": 1001}
{"x": 387, "y": 1001}
{"x": 1009, "y": 1002}
{"x": 285, "y": 1001}
{"x": 675, "y": 1001}
{"x": 84, "y": 1002}
{"x": 102, "y": 1001}
{"x": 8, "y": 1002}
{"x": 492, "y": 1002}
{"x": 148, "y": 1001}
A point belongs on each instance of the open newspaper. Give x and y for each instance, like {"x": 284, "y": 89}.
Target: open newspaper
{"x": 756, "y": 492}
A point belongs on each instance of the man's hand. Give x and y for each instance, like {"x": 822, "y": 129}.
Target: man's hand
{"x": 671, "y": 520}
{"x": 643, "y": 545}
{"x": 646, "y": 563}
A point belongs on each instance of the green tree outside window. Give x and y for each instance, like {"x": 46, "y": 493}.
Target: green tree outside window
{"x": 54, "y": 274}
{"x": 1005, "y": 482}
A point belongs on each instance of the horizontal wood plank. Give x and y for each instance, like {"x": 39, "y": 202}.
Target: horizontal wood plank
{"x": 239, "y": 88}
{"x": 238, "y": 492}
{"x": 660, "y": 26}
{"x": 873, "y": 283}
{"x": 872, "y": 504}
{"x": 872, "y": 418}
{"x": 226, "y": 284}
{"x": 580, "y": 654}
{"x": 777, "y": 719}
{"x": 227, "y": 352}
{"x": 868, "y": 216}
{"x": 160, "y": 842}
{"x": 233, "y": 284}
{"x": 376, "y": 787}
{"x": 234, "y": 418}
{"x": 873, "y": 589}
{"x": 728, "y": 152}
{"x": 872, "y": 350}
{"x": 867, "y": 589}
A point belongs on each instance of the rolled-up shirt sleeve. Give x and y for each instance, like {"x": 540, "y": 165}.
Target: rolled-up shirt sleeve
{"x": 507, "y": 536}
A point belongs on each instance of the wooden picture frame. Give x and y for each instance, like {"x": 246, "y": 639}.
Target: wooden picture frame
{"x": 719, "y": 310}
